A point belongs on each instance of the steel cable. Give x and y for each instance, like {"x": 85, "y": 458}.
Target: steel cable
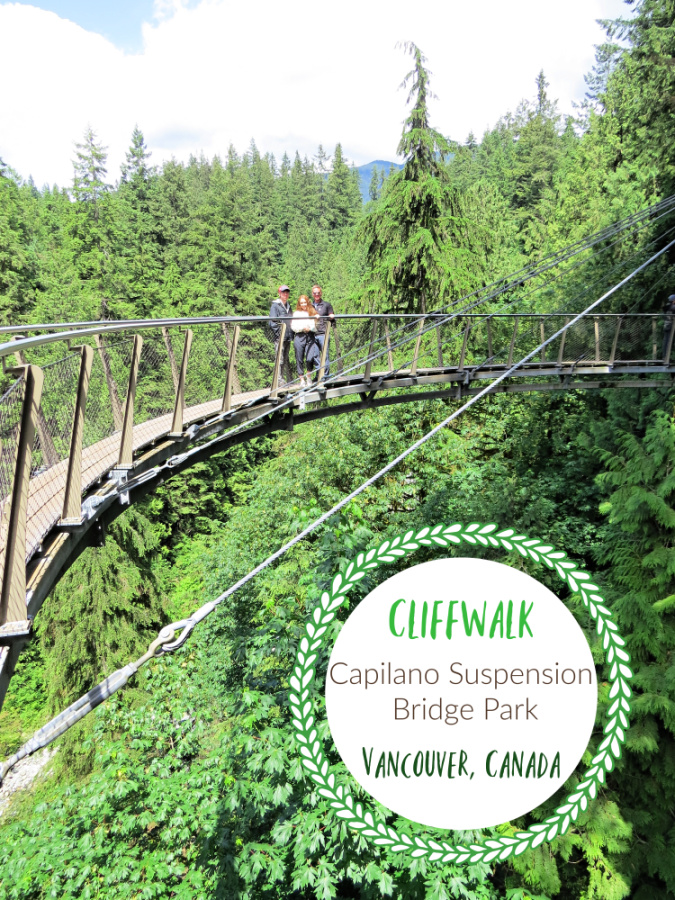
{"x": 165, "y": 642}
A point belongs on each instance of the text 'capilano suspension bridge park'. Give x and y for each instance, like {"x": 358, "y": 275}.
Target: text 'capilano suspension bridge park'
{"x": 97, "y": 414}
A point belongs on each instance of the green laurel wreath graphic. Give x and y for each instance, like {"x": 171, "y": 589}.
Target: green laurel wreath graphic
{"x": 358, "y": 816}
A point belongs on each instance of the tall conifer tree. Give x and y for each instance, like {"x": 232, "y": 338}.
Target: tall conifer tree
{"x": 138, "y": 232}
{"x": 90, "y": 170}
{"x": 91, "y": 227}
{"x": 343, "y": 197}
{"x": 17, "y": 263}
{"x": 417, "y": 240}
{"x": 374, "y": 186}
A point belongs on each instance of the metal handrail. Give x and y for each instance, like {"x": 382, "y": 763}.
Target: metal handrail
{"x": 79, "y": 330}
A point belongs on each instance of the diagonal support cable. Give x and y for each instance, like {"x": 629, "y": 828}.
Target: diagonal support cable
{"x": 166, "y": 641}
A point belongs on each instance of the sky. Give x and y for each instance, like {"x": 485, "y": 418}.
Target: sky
{"x": 199, "y": 75}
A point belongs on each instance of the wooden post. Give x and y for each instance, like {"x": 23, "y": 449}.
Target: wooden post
{"x": 369, "y": 362}
{"x": 616, "y": 340}
{"x": 596, "y": 328}
{"x": 227, "y": 396}
{"x": 542, "y": 335}
{"x": 232, "y": 351}
{"x": 462, "y": 355}
{"x": 324, "y": 351}
{"x": 274, "y": 392}
{"x": 513, "y": 341}
{"x": 177, "y": 423}
{"x": 46, "y": 443}
{"x": 562, "y": 343}
{"x": 172, "y": 357}
{"x": 112, "y": 387}
{"x": 126, "y": 456}
{"x": 390, "y": 357}
{"x": 72, "y": 500}
{"x": 418, "y": 342}
{"x": 13, "y": 591}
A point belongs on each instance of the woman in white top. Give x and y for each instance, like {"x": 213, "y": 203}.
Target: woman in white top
{"x": 307, "y": 355}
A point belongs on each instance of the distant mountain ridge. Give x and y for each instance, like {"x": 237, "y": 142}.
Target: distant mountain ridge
{"x": 366, "y": 173}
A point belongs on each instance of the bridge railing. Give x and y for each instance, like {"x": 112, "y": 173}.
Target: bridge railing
{"x": 80, "y": 403}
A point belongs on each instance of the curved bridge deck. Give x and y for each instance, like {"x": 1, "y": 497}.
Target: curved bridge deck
{"x": 89, "y": 430}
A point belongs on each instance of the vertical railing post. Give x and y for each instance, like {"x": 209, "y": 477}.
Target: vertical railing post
{"x": 542, "y": 335}
{"x": 179, "y": 406}
{"x": 513, "y": 340}
{"x": 324, "y": 350}
{"x": 126, "y": 457}
{"x": 390, "y": 356}
{"x": 462, "y": 355}
{"x": 231, "y": 349}
{"x": 13, "y": 590}
{"x": 112, "y": 387}
{"x": 654, "y": 348}
{"x": 561, "y": 351}
{"x": 616, "y": 340}
{"x": 49, "y": 453}
{"x": 72, "y": 499}
{"x": 439, "y": 345}
{"x": 596, "y": 329}
{"x": 489, "y": 337}
{"x": 227, "y": 396}
{"x": 274, "y": 393}
{"x": 369, "y": 361}
{"x": 418, "y": 342}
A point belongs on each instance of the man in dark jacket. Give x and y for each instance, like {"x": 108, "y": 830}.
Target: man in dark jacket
{"x": 280, "y": 312}
{"x": 325, "y": 310}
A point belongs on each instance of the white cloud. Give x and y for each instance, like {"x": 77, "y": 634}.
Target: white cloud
{"x": 290, "y": 75}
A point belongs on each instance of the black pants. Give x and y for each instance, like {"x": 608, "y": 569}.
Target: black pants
{"x": 307, "y": 354}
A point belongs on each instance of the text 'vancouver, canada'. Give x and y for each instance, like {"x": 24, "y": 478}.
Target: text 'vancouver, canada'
{"x": 461, "y": 693}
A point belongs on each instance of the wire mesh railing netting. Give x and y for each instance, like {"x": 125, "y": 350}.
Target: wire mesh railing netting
{"x": 595, "y": 340}
{"x": 391, "y": 344}
{"x": 55, "y": 417}
{"x": 11, "y": 404}
{"x": 51, "y": 446}
{"x": 155, "y": 389}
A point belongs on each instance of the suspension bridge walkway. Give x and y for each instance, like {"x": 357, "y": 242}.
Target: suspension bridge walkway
{"x": 95, "y": 415}
{"x": 91, "y": 423}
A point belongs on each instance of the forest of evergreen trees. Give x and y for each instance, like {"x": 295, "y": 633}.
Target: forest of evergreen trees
{"x": 188, "y": 784}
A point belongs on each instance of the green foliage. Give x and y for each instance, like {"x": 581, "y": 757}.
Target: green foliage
{"x": 343, "y": 196}
{"x": 189, "y": 784}
{"x": 96, "y": 844}
{"x": 23, "y": 711}
{"x": 639, "y": 93}
{"x": 102, "y": 612}
{"x": 89, "y": 184}
{"x": 17, "y": 259}
{"x": 418, "y": 241}
{"x": 374, "y": 186}
{"x": 638, "y": 545}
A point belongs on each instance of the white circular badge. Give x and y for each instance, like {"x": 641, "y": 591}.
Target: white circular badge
{"x": 461, "y": 693}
